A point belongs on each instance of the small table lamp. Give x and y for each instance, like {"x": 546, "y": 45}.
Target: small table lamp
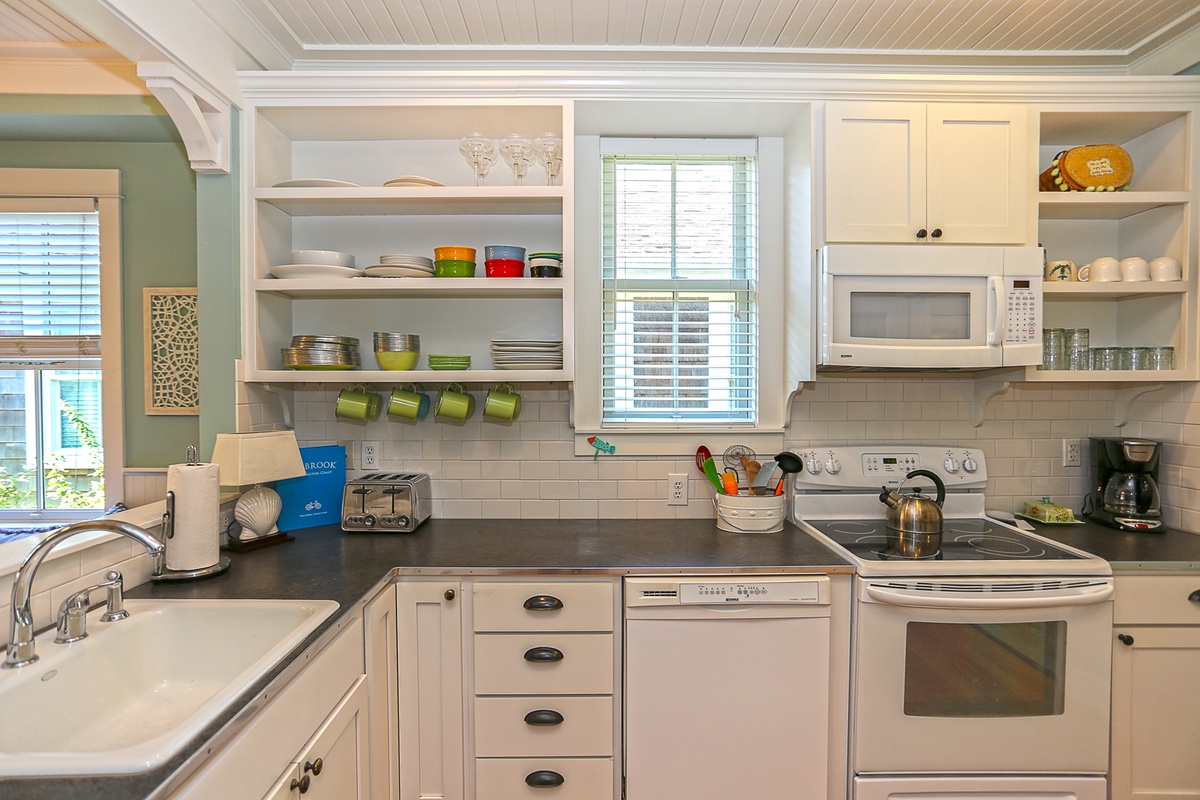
{"x": 257, "y": 458}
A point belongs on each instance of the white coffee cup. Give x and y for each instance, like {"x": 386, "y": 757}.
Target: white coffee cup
{"x": 1165, "y": 268}
{"x": 1102, "y": 270}
{"x": 1061, "y": 270}
{"x": 1134, "y": 269}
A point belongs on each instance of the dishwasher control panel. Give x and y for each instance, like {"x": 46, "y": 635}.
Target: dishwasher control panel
{"x": 761, "y": 591}
{"x": 782, "y": 592}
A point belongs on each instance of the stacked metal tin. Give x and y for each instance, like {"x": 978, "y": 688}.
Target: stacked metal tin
{"x": 322, "y": 351}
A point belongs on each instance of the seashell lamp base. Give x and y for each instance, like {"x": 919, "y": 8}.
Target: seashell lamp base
{"x": 257, "y": 511}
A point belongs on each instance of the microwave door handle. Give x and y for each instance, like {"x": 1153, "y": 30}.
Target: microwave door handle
{"x": 997, "y": 309}
{"x": 1080, "y": 596}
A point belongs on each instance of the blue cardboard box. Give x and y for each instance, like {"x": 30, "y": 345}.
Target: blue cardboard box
{"x": 315, "y": 499}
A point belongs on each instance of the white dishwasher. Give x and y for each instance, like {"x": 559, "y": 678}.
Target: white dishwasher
{"x": 727, "y": 687}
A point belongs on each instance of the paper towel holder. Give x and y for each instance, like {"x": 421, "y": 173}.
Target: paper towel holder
{"x": 161, "y": 572}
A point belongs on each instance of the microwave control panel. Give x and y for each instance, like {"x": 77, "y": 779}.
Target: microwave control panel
{"x": 1024, "y": 325}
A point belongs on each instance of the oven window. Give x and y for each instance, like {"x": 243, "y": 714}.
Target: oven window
{"x": 979, "y": 670}
{"x": 910, "y": 315}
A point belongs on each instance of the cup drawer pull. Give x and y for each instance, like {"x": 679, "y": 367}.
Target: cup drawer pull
{"x": 543, "y": 655}
{"x": 543, "y": 717}
{"x": 1195, "y": 596}
{"x": 545, "y": 777}
{"x": 543, "y": 602}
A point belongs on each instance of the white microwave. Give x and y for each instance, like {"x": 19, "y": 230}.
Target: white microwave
{"x": 941, "y": 306}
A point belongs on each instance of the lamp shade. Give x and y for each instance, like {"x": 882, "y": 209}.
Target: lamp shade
{"x": 252, "y": 458}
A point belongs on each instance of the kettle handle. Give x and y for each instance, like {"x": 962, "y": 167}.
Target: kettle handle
{"x": 941, "y": 487}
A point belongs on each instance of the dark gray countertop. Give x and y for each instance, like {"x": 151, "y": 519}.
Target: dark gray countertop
{"x": 1129, "y": 550}
{"x": 328, "y": 564}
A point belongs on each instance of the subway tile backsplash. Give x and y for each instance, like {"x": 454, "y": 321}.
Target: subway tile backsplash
{"x": 527, "y": 468}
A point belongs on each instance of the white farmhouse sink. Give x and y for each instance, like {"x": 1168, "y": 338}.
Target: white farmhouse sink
{"x": 131, "y": 694}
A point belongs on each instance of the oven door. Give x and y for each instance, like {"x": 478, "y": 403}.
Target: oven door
{"x": 982, "y": 675}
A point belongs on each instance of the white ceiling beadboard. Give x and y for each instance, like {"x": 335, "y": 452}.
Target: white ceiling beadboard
{"x": 36, "y": 21}
{"x": 1112, "y": 34}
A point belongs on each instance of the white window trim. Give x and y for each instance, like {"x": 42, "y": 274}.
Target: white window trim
{"x": 105, "y": 186}
{"x": 767, "y": 435}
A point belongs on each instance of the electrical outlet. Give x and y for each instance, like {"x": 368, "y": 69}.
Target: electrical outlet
{"x": 368, "y": 455}
{"x": 1071, "y": 456}
{"x": 677, "y": 489}
{"x": 226, "y": 520}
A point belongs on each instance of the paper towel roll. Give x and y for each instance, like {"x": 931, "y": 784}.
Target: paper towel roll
{"x": 197, "y": 540}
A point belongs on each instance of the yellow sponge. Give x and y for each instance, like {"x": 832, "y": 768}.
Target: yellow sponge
{"x": 1048, "y": 512}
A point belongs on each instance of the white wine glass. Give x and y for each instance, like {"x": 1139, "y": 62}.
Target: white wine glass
{"x": 480, "y": 154}
{"x": 549, "y": 149}
{"x": 517, "y": 151}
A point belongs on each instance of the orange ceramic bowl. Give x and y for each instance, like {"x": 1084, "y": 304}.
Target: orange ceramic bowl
{"x": 454, "y": 253}
{"x": 504, "y": 268}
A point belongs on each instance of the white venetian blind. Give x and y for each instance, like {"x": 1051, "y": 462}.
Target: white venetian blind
{"x": 49, "y": 278}
{"x": 679, "y": 277}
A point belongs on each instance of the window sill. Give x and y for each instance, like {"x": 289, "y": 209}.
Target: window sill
{"x": 678, "y": 443}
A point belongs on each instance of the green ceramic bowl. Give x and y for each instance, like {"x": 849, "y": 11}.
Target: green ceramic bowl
{"x": 454, "y": 269}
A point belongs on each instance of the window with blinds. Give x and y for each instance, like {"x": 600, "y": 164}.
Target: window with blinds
{"x": 50, "y": 281}
{"x": 679, "y": 283}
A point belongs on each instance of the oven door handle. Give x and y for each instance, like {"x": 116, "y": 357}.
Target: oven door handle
{"x": 1080, "y": 596}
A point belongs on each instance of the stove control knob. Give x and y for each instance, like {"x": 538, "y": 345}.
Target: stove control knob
{"x": 832, "y": 465}
{"x": 970, "y": 465}
{"x": 950, "y": 464}
{"x": 813, "y": 465}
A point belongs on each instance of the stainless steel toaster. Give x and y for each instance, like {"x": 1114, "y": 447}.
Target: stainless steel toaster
{"x": 390, "y": 502}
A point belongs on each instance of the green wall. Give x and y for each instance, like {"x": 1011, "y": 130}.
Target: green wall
{"x": 159, "y": 243}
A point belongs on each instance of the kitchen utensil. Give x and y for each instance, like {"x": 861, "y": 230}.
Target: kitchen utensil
{"x": 710, "y": 469}
{"x": 790, "y": 463}
{"x": 914, "y": 522}
{"x": 752, "y": 467}
{"x": 702, "y": 453}
{"x": 765, "y": 473}
{"x": 729, "y": 482}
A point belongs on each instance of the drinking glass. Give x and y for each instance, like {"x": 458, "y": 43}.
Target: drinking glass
{"x": 480, "y": 154}
{"x": 549, "y": 149}
{"x": 517, "y": 151}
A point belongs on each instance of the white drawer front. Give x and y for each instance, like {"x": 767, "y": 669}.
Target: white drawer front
{"x": 505, "y": 663}
{"x": 583, "y": 779}
{"x": 501, "y": 728}
{"x": 1156, "y": 600}
{"x": 544, "y": 606}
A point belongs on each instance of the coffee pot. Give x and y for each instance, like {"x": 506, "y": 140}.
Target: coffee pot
{"x": 1124, "y": 493}
{"x": 914, "y": 521}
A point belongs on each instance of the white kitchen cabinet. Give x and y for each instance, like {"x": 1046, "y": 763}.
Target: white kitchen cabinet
{"x": 937, "y": 172}
{"x": 333, "y": 765}
{"x": 545, "y": 674}
{"x": 431, "y": 690}
{"x": 383, "y": 684}
{"x": 1155, "y": 217}
{"x": 1155, "y": 707}
{"x": 365, "y": 136}
{"x": 320, "y": 713}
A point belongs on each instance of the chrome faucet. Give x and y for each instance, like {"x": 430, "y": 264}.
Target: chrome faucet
{"x": 72, "y": 614}
{"x": 20, "y": 632}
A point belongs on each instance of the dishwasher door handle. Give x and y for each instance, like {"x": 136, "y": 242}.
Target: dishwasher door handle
{"x": 543, "y": 655}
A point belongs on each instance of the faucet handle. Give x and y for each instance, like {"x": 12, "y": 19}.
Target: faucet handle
{"x": 116, "y": 598}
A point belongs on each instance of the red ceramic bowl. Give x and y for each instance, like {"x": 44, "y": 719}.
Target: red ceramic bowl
{"x": 504, "y": 267}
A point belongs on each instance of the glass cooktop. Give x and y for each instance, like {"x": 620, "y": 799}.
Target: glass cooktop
{"x": 971, "y": 539}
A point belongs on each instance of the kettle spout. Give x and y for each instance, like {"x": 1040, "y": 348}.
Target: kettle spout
{"x": 888, "y": 497}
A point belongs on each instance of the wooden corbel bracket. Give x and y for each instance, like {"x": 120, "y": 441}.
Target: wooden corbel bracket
{"x": 201, "y": 117}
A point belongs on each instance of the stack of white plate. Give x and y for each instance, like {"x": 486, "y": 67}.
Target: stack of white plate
{"x": 412, "y": 180}
{"x": 401, "y": 265}
{"x": 527, "y": 353}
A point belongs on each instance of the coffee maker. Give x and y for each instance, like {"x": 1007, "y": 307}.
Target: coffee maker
{"x": 1124, "y": 494}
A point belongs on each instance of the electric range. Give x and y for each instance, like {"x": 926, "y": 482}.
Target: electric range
{"x": 836, "y": 498}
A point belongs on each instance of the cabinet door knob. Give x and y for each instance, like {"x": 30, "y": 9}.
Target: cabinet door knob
{"x": 921, "y": 234}
{"x": 1124, "y": 638}
{"x": 543, "y": 602}
{"x": 545, "y": 777}
{"x": 936, "y": 233}
{"x": 1195, "y": 596}
{"x": 448, "y": 594}
{"x": 302, "y": 784}
{"x": 314, "y": 767}
{"x": 543, "y": 717}
{"x": 543, "y": 655}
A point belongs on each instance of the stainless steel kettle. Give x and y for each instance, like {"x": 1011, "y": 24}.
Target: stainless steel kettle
{"x": 915, "y": 522}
